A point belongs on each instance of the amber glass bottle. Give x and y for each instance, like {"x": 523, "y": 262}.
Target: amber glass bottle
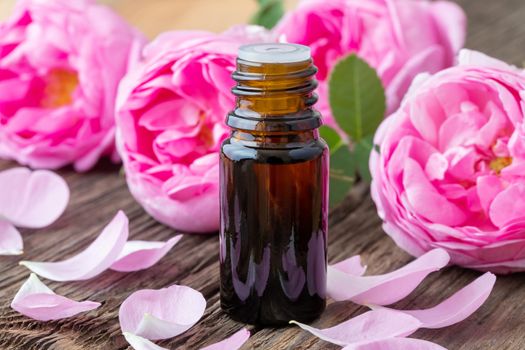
{"x": 274, "y": 178}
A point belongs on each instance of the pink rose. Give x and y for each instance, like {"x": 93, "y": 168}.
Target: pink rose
{"x": 60, "y": 65}
{"x": 399, "y": 38}
{"x": 171, "y": 113}
{"x": 451, "y": 168}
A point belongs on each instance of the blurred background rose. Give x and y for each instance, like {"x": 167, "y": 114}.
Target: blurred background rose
{"x": 60, "y": 64}
{"x": 398, "y": 38}
{"x": 450, "y": 169}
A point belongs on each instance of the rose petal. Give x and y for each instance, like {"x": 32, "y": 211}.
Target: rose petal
{"x": 370, "y": 326}
{"x": 163, "y": 313}
{"x": 139, "y": 343}
{"x": 388, "y": 288}
{"x": 458, "y": 307}
{"x": 232, "y": 343}
{"x": 396, "y": 344}
{"x": 140, "y": 255}
{"x": 10, "y": 239}
{"x": 351, "y": 266}
{"x": 33, "y": 199}
{"x": 95, "y": 259}
{"x": 36, "y": 300}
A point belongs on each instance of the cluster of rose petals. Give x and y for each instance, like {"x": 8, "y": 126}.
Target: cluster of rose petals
{"x": 60, "y": 65}
{"x": 398, "y": 38}
{"x": 384, "y": 328}
{"x": 170, "y": 121}
{"x": 145, "y": 314}
{"x": 110, "y": 250}
{"x": 30, "y": 199}
{"x": 450, "y": 168}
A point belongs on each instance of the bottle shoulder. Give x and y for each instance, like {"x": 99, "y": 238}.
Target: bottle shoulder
{"x": 237, "y": 151}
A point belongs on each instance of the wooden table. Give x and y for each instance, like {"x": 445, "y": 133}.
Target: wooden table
{"x": 496, "y": 27}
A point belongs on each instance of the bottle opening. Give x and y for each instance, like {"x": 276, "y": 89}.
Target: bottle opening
{"x": 274, "y": 53}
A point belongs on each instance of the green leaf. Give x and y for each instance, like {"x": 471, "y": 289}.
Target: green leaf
{"x": 332, "y": 138}
{"x": 357, "y": 97}
{"x": 342, "y": 174}
{"x": 361, "y": 155}
{"x": 269, "y": 13}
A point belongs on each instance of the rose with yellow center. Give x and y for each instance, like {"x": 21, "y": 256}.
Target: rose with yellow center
{"x": 58, "y": 82}
{"x": 450, "y": 172}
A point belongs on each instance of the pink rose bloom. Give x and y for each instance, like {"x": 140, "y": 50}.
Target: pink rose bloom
{"x": 399, "y": 38}
{"x": 60, "y": 65}
{"x": 171, "y": 123}
{"x": 450, "y": 172}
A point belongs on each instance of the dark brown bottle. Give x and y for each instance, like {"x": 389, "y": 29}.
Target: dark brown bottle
{"x": 274, "y": 188}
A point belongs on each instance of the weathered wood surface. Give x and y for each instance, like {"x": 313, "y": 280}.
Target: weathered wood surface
{"x": 496, "y": 27}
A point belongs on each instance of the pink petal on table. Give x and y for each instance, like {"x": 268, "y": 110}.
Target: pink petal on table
{"x": 396, "y": 344}
{"x": 32, "y": 199}
{"x": 140, "y": 343}
{"x": 458, "y": 307}
{"x": 95, "y": 259}
{"x": 163, "y": 313}
{"x": 10, "y": 239}
{"x": 351, "y": 266}
{"x": 36, "y": 300}
{"x": 388, "y": 288}
{"x": 370, "y": 326}
{"x": 140, "y": 255}
{"x": 232, "y": 343}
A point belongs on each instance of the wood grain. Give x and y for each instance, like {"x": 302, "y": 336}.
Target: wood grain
{"x": 496, "y": 27}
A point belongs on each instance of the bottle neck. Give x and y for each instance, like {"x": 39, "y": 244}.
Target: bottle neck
{"x": 274, "y": 98}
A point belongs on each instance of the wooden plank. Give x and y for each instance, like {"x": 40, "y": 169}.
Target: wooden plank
{"x": 496, "y": 27}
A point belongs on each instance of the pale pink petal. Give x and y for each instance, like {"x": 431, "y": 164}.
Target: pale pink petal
{"x": 162, "y": 313}
{"x": 396, "y": 344}
{"x": 475, "y": 58}
{"x": 351, "y": 266}
{"x": 232, "y": 343}
{"x": 425, "y": 200}
{"x": 95, "y": 259}
{"x": 36, "y": 300}
{"x": 140, "y": 255}
{"x": 139, "y": 343}
{"x": 370, "y": 326}
{"x": 508, "y": 205}
{"x": 10, "y": 239}
{"x": 388, "y": 288}
{"x": 458, "y": 307}
{"x": 32, "y": 199}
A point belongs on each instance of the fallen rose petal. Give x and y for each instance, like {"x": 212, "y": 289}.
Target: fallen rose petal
{"x": 140, "y": 255}
{"x": 458, "y": 307}
{"x": 163, "y": 313}
{"x": 370, "y": 326}
{"x": 384, "y": 289}
{"x": 396, "y": 344}
{"x": 351, "y": 266}
{"x": 95, "y": 259}
{"x": 232, "y": 343}
{"x": 36, "y": 300}
{"x": 139, "y": 343}
{"x": 10, "y": 239}
{"x": 32, "y": 199}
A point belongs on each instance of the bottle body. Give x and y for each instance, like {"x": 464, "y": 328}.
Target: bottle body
{"x": 274, "y": 191}
{"x": 273, "y": 232}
